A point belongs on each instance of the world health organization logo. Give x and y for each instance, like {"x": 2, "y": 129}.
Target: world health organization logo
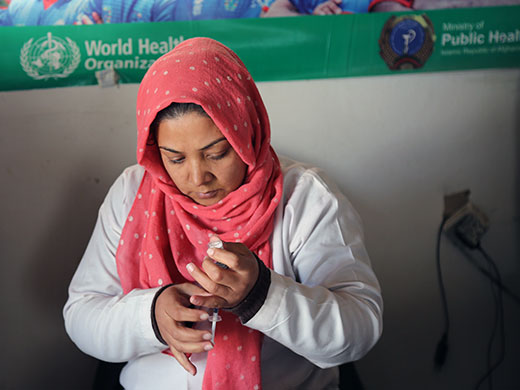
{"x": 406, "y": 42}
{"x": 49, "y": 57}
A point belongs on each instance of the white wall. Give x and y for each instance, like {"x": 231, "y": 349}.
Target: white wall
{"x": 394, "y": 144}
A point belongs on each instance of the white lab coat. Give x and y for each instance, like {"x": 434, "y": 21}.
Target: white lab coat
{"x": 323, "y": 308}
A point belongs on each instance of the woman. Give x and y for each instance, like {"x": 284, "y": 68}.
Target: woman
{"x": 43, "y": 12}
{"x": 316, "y": 7}
{"x": 293, "y": 279}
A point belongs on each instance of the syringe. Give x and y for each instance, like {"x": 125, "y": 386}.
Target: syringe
{"x": 214, "y": 318}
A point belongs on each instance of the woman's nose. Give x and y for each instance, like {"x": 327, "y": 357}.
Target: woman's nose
{"x": 199, "y": 173}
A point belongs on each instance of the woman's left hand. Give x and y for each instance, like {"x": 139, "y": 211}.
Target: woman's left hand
{"x": 228, "y": 287}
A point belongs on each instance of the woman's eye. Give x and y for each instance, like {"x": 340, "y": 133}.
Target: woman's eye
{"x": 218, "y": 156}
{"x": 177, "y": 160}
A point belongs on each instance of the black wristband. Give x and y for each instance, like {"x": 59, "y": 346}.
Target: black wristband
{"x": 155, "y": 327}
{"x": 250, "y": 305}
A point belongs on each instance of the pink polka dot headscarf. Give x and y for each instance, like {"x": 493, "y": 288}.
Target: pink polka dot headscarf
{"x": 166, "y": 230}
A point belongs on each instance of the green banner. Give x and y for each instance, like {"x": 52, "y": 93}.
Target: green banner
{"x": 272, "y": 48}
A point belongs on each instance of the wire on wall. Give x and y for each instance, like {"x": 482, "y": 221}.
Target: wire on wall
{"x": 465, "y": 224}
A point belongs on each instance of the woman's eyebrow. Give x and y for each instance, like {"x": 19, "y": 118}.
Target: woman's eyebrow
{"x": 168, "y": 149}
{"x": 213, "y": 143}
{"x": 203, "y": 148}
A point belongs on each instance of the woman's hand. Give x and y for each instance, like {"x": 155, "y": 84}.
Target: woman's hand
{"x": 172, "y": 311}
{"x": 331, "y": 7}
{"x": 96, "y": 19}
{"x": 228, "y": 287}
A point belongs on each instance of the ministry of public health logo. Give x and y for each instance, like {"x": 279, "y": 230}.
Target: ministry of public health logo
{"x": 406, "y": 42}
{"x": 49, "y": 57}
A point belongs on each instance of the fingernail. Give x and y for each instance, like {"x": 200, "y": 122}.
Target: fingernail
{"x": 190, "y": 267}
{"x": 208, "y": 347}
{"x": 207, "y": 336}
{"x": 215, "y": 242}
{"x": 204, "y": 317}
{"x": 210, "y": 251}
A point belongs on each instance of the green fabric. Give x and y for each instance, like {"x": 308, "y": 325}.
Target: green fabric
{"x": 304, "y": 47}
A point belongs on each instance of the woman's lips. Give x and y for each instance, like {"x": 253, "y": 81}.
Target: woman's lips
{"x": 207, "y": 195}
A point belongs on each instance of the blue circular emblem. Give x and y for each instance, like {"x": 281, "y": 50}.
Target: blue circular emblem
{"x": 407, "y": 37}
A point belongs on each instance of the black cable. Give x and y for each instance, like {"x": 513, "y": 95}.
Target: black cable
{"x": 496, "y": 280}
{"x": 491, "y": 342}
{"x": 499, "y": 321}
{"x": 496, "y": 321}
{"x": 442, "y": 345}
{"x": 497, "y": 289}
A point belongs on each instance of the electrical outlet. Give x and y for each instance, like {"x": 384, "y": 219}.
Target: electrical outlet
{"x": 465, "y": 222}
{"x": 471, "y": 229}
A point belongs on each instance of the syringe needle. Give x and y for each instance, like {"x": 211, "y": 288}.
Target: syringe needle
{"x": 215, "y": 317}
{"x": 214, "y": 327}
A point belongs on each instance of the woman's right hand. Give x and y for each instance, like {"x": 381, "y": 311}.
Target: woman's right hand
{"x": 331, "y": 7}
{"x": 172, "y": 311}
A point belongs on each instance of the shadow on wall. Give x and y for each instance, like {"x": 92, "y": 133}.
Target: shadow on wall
{"x": 49, "y": 269}
{"x": 517, "y": 176}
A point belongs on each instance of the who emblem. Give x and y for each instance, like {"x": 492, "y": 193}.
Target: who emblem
{"x": 49, "y": 57}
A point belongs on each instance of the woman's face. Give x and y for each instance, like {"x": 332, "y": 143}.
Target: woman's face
{"x": 199, "y": 159}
